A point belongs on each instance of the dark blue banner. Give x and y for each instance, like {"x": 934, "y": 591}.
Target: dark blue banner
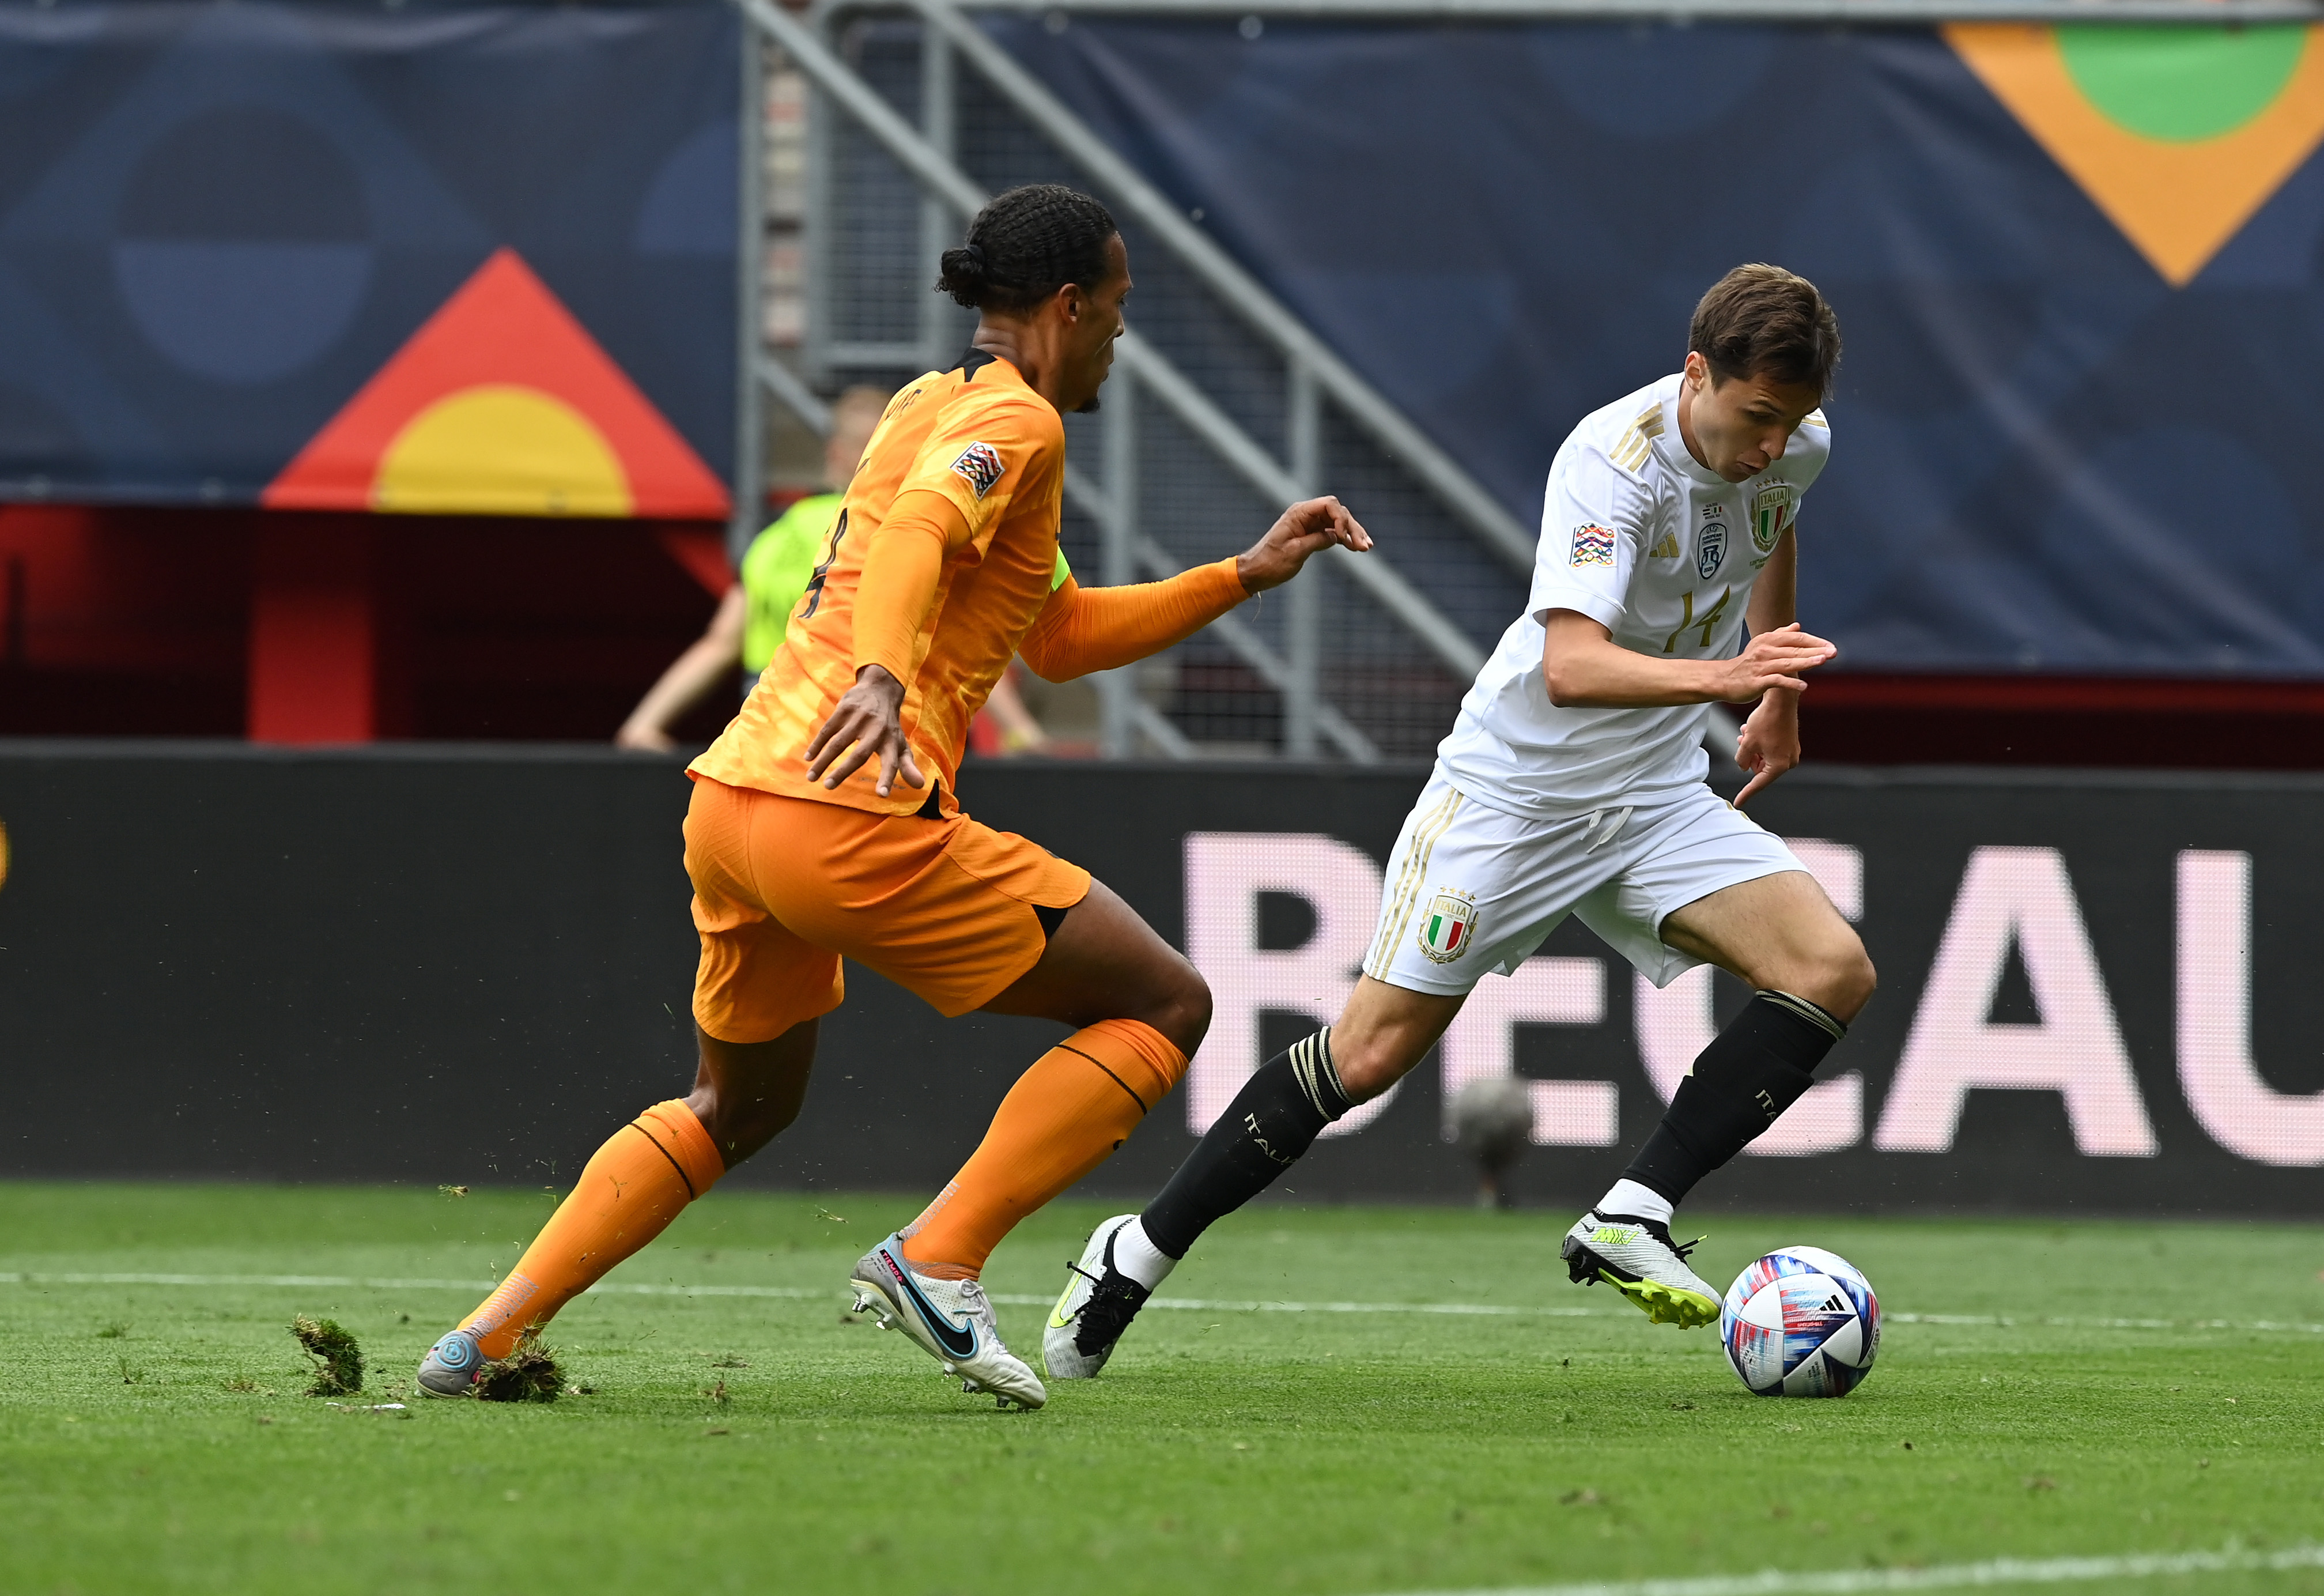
{"x": 2076, "y": 270}
{"x": 321, "y": 257}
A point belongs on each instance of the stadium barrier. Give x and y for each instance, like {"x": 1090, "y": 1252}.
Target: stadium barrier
{"x": 461, "y": 965}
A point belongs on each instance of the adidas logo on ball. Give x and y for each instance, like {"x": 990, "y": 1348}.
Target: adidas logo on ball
{"x": 1801, "y": 1322}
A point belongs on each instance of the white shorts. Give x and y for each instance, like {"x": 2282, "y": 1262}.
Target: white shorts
{"x": 1472, "y": 890}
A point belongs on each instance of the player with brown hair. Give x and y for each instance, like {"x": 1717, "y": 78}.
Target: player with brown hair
{"x": 1573, "y": 783}
{"x": 825, "y": 822}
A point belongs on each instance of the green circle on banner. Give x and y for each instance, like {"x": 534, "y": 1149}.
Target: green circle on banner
{"x": 2181, "y": 84}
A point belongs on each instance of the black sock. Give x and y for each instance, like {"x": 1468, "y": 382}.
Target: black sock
{"x": 1753, "y": 1071}
{"x": 1273, "y": 1119}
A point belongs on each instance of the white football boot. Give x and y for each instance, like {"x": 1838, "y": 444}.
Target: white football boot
{"x": 949, "y": 1318}
{"x": 1638, "y": 1258}
{"x": 451, "y": 1366}
{"x": 1097, "y": 1305}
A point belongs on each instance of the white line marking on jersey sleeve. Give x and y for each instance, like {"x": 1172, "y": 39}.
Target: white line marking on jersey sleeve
{"x": 2001, "y": 1571}
{"x": 1202, "y": 1304}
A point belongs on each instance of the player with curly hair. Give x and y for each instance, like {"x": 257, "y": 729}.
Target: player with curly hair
{"x": 825, "y": 822}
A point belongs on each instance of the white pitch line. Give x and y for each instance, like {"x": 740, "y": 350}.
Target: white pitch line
{"x": 381, "y": 1283}
{"x": 1208, "y": 1305}
{"x": 1204, "y": 1305}
{"x": 35, "y": 1278}
{"x": 2001, "y": 1571}
{"x": 1013, "y": 1299}
{"x": 2006, "y": 1323}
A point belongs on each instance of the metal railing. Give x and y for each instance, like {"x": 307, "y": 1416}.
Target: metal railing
{"x": 1291, "y": 667}
{"x": 1310, "y": 400}
{"x": 1312, "y": 359}
{"x": 1290, "y": 664}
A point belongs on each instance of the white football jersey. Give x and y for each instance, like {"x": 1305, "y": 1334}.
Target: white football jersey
{"x": 1638, "y": 536}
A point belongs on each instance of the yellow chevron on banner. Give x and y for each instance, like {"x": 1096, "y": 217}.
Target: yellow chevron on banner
{"x": 2178, "y": 134}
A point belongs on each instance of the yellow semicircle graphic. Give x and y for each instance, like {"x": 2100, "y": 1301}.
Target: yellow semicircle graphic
{"x": 500, "y": 450}
{"x": 2179, "y": 197}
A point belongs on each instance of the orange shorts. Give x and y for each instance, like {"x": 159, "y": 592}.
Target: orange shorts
{"x": 784, "y": 888}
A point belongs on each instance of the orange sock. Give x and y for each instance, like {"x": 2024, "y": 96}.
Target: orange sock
{"x": 1063, "y": 1118}
{"x": 630, "y": 1188}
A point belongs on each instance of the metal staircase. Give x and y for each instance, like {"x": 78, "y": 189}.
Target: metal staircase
{"x": 1223, "y": 406}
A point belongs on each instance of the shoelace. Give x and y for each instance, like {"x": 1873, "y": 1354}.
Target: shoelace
{"x": 1095, "y": 1281}
{"x": 1112, "y": 1304}
{"x": 1661, "y": 1232}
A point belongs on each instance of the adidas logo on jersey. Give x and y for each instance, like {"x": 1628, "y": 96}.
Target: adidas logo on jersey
{"x": 1665, "y": 549}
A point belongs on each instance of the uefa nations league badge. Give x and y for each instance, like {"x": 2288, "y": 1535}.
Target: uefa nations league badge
{"x": 1444, "y": 929}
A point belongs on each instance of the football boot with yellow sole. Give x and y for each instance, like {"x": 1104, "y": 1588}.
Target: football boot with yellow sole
{"x": 1638, "y": 1258}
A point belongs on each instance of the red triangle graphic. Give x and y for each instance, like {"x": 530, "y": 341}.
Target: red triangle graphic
{"x": 503, "y": 330}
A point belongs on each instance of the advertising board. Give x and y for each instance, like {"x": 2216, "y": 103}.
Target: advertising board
{"x": 461, "y": 967}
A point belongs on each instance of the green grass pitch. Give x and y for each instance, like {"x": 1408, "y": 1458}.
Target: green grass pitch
{"x": 154, "y": 1437}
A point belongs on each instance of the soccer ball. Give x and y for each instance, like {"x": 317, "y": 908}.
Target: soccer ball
{"x": 1801, "y": 1322}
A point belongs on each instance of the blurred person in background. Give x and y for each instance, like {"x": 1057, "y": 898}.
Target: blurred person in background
{"x": 748, "y": 627}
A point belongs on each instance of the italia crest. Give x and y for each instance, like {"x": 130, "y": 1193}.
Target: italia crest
{"x": 1445, "y": 929}
{"x": 1771, "y": 513}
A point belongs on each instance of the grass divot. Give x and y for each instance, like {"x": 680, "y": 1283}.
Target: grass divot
{"x": 338, "y": 1361}
{"x": 529, "y": 1373}
{"x": 1420, "y": 1382}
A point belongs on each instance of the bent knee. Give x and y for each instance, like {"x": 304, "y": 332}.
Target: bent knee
{"x": 739, "y": 1129}
{"x": 1845, "y": 980}
{"x": 1181, "y": 1011}
{"x": 1367, "y": 1063}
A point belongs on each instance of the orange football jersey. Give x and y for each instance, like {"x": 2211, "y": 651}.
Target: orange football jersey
{"x": 978, "y": 434}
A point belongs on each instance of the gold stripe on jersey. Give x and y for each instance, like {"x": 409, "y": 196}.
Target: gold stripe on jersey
{"x": 1635, "y": 443}
{"x": 1815, "y": 419}
{"x": 1665, "y": 549}
{"x": 1409, "y": 880}
{"x": 1396, "y": 901}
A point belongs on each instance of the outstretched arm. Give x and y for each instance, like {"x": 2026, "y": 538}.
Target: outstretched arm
{"x": 1086, "y": 628}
